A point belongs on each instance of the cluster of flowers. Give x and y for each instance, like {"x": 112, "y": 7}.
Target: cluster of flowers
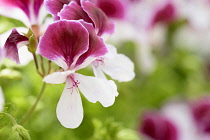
{"x": 178, "y": 121}
{"x": 72, "y": 41}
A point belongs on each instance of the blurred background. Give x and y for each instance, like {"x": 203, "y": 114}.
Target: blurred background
{"x": 167, "y": 40}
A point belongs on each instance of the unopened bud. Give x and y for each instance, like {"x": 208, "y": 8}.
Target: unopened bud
{"x": 20, "y": 133}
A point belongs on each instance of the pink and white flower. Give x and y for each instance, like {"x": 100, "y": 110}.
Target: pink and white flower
{"x": 76, "y": 10}
{"x": 73, "y": 45}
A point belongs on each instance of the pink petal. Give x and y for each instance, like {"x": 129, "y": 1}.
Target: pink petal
{"x": 63, "y": 42}
{"x": 22, "y": 4}
{"x": 55, "y": 6}
{"x": 37, "y": 6}
{"x": 96, "y": 48}
{"x": 112, "y": 8}
{"x": 74, "y": 11}
{"x": 101, "y": 22}
{"x": 13, "y": 42}
{"x": 165, "y": 14}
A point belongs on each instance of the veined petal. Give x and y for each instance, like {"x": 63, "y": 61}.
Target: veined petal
{"x": 112, "y": 8}
{"x": 37, "y": 6}
{"x": 69, "y": 109}
{"x": 64, "y": 42}
{"x": 101, "y": 22}
{"x": 21, "y": 4}
{"x": 73, "y": 11}
{"x": 14, "y": 12}
{"x": 1, "y": 100}
{"x": 118, "y": 66}
{"x": 13, "y": 42}
{"x": 55, "y": 6}
{"x": 96, "y": 48}
{"x": 96, "y": 89}
{"x": 57, "y": 77}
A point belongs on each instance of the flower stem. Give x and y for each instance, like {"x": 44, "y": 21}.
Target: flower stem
{"x": 36, "y": 64}
{"x": 26, "y": 117}
{"x": 42, "y": 65}
{"x": 10, "y": 117}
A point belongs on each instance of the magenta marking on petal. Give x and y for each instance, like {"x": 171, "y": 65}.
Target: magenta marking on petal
{"x": 201, "y": 114}
{"x": 22, "y": 4}
{"x": 55, "y": 6}
{"x": 96, "y": 48}
{"x": 158, "y": 127}
{"x": 37, "y": 6}
{"x": 74, "y": 11}
{"x": 112, "y": 8}
{"x": 166, "y": 14}
{"x": 11, "y": 45}
{"x": 65, "y": 40}
{"x": 101, "y": 22}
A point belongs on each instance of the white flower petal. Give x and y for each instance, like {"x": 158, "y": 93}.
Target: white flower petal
{"x": 57, "y": 77}
{"x": 69, "y": 109}
{"x": 96, "y": 89}
{"x": 1, "y": 100}
{"x": 98, "y": 71}
{"x": 118, "y": 66}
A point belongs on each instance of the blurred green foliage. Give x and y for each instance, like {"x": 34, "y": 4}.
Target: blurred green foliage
{"x": 180, "y": 74}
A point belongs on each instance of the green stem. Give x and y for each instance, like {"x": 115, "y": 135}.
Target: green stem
{"x": 9, "y": 116}
{"x": 36, "y": 64}
{"x": 26, "y": 117}
{"x": 42, "y": 65}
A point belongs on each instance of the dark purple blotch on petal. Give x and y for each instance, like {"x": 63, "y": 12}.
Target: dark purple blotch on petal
{"x": 101, "y": 23}
{"x": 201, "y": 114}
{"x": 96, "y": 48}
{"x": 166, "y": 14}
{"x": 12, "y": 44}
{"x": 55, "y": 6}
{"x": 157, "y": 127}
{"x": 112, "y": 8}
{"x": 22, "y": 4}
{"x": 65, "y": 40}
{"x": 73, "y": 11}
{"x": 37, "y": 6}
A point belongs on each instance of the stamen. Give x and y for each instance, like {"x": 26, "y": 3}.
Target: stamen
{"x": 74, "y": 85}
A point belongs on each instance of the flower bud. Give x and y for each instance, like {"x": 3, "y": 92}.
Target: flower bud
{"x": 20, "y": 133}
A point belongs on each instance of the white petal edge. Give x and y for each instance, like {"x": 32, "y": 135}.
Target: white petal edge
{"x": 69, "y": 109}
{"x": 96, "y": 89}
{"x": 16, "y": 13}
{"x": 57, "y": 77}
{"x": 119, "y": 67}
{"x": 2, "y": 101}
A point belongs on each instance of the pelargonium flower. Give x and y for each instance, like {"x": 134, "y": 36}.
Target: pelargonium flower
{"x": 27, "y": 11}
{"x": 158, "y": 127}
{"x": 73, "y": 45}
{"x": 76, "y": 10}
{"x": 12, "y": 44}
{"x": 117, "y": 66}
{"x": 201, "y": 114}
